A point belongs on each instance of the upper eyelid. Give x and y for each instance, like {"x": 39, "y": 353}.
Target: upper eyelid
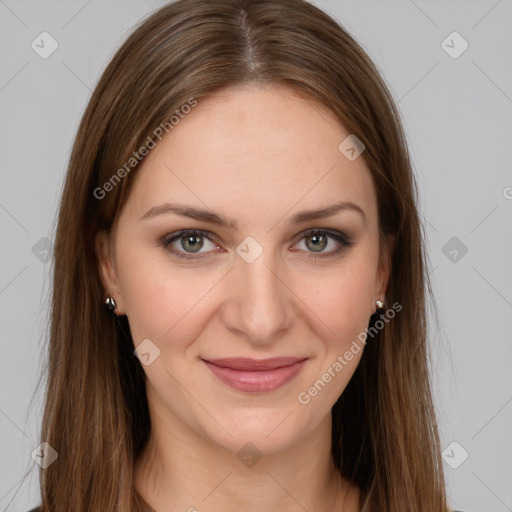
{"x": 184, "y": 232}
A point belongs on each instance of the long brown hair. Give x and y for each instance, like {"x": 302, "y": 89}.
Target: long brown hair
{"x": 384, "y": 435}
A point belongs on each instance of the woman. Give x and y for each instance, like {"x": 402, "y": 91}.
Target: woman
{"x": 240, "y": 196}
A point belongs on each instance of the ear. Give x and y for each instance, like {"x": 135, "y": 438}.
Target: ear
{"x": 107, "y": 270}
{"x": 384, "y": 270}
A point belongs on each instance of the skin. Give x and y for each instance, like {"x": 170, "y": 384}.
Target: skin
{"x": 259, "y": 156}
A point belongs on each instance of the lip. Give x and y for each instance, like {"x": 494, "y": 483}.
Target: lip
{"x": 252, "y": 375}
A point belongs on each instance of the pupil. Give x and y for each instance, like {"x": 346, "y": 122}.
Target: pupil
{"x": 194, "y": 242}
{"x": 318, "y": 241}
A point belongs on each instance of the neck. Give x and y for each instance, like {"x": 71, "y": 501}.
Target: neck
{"x": 182, "y": 471}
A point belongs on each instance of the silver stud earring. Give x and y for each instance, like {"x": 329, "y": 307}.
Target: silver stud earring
{"x": 380, "y": 305}
{"x": 110, "y": 303}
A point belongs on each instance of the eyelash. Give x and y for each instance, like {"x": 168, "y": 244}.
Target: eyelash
{"x": 343, "y": 240}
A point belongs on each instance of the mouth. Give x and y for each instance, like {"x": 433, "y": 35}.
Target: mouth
{"x": 252, "y": 375}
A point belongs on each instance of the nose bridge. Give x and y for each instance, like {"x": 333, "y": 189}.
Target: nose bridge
{"x": 262, "y": 305}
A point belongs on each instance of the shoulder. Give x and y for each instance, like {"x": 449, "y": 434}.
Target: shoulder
{"x": 37, "y": 509}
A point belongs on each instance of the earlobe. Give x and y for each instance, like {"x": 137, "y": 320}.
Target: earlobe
{"x": 106, "y": 269}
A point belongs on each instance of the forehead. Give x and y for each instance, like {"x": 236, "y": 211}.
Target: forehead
{"x": 255, "y": 149}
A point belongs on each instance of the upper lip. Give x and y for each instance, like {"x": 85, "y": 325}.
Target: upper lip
{"x": 242, "y": 363}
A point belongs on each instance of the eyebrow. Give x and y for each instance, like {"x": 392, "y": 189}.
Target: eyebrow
{"x": 221, "y": 220}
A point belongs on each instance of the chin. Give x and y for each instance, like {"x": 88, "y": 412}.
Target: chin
{"x": 264, "y": 432}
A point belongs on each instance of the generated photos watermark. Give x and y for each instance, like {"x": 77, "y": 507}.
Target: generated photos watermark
{"x": 138, "y": 155}
{"x": 304, "y": 397}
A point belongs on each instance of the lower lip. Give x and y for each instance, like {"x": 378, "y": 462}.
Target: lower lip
{"x": 256, "y": 381}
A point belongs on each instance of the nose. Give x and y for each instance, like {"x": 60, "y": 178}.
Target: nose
{"x": 261, "y": 304}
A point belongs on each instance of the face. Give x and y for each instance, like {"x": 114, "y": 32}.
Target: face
{"x": 256, "y": 276}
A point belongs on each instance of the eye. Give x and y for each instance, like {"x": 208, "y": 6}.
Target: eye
{"x": 188, "y": 242}
{"x": 316, "y": 240}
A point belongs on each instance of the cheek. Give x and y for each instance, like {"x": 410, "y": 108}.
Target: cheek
{"x": 340, "y": 313}
{"x": 163, "y": 302}
{"x": 167, "y": 302}
{"x": 341, "y": 300}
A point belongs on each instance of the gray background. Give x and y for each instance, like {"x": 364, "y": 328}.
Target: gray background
{"x": 457, "y": 113}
